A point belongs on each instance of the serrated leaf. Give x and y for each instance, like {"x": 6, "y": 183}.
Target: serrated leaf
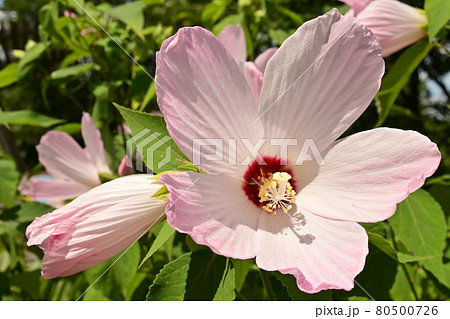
{"x": 164, "y": 234}
{"x": 29, "y": 117}
{"x": 394, "y": 81}
{"x": 8, "y": 75}
{"x": 225, "y": 292}
{"x": 419, "y": 224}
{"x": 296, "y": 294}
{"x": 153, "y": 142}
{"x": 9, "y": 178}
{"x": 438, "y": 14}
{"x": 199, "y": 275}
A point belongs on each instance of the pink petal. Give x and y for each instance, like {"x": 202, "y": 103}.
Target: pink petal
{"x": 357, "y": 5}
{"x": 320, "y": 80}
{"x": 97, "y": 225}
{"x": 262, "y": 59}
{"x": 126, "y": 166}
{"x": 203, "y": 95}
{"x": 53, "y": 190}
{"x": 365, "y": 175}
{"x": 321, "y": 253}
{"x": 214, "y": 211}
{"x": 64, "y": 159}
{"x": 94, "y": 144}
{"x": 254, "y": 79}
{"x": 395, "y": 24}
{"x": 233, "y": 39}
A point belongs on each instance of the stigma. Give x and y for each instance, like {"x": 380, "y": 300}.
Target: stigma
{"x": 276, "y": 193}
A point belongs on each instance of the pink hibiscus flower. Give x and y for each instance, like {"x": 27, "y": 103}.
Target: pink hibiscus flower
{"x": 297, "y": 219}
{"x": 233, "y": 39}
{"x": 97, "y": 225}
{"x": 74, "y": 170}
{"x": 395, "y": 24}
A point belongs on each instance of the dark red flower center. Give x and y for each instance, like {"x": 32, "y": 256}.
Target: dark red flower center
{"x": 258, "y": 181}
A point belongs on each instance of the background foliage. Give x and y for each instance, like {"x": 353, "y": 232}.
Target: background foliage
{"x": 66, "y": 65}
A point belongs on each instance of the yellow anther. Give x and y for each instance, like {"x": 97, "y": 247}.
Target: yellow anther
{"x": 277, "y": 192}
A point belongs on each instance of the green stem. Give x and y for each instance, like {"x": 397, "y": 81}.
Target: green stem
{"x": 411, "y": 285}
{"x": 266, "y": 281}
{"x": 440, "y": 46}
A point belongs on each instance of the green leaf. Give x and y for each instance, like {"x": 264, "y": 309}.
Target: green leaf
{"x": 153, "y": 142}
{"x": 132, "y": 15}
{"x": 387, "y": 248}
{"x": 241, "y": 267}
{"x": 9, "y": 179}
{"x": 419, "y": 224}
{"x": 29, "y": 211}
{"x": 233, "y": 19}
{"x": 29, "y": 117}
{"x": 65, "y": 75}
{"x": 401, "y": 289}
{"x": 376, "y": 278}
{"x": 199, "y": 275}
{"x": 102, "y": 111}
{"x": 149, "y": 95}
{"x": 8, "y": 75}
{"x": 296, "y": 294}
{"x": 214, "y": 10}
{"x": 379, "y": 228}
{"x": 383, "y": 245}
{"x": 48, "y": 15}
{"x": 279, "y": 35}
{"x": 394, "y": 81}
{"x": 438, "y": 14}
{"x": 225, "y": 291}
{"x": 29, "y": 62}
{"x": 153, "y": 2}
{"x": 69, "y": 128}
{"x": 73, "y": 57}
{"x": 164, "y": 234}
{"x": 295, "y": 17}
{"x": 193, "y": 246}
{"x": 4, "y": 258}
{"x": 440, "y": 193}
{"x": 3, "y": 122}
{"x": 441, "y": 180}
{"x": 140, "y": 87}
{"x": 115, "y": 282}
